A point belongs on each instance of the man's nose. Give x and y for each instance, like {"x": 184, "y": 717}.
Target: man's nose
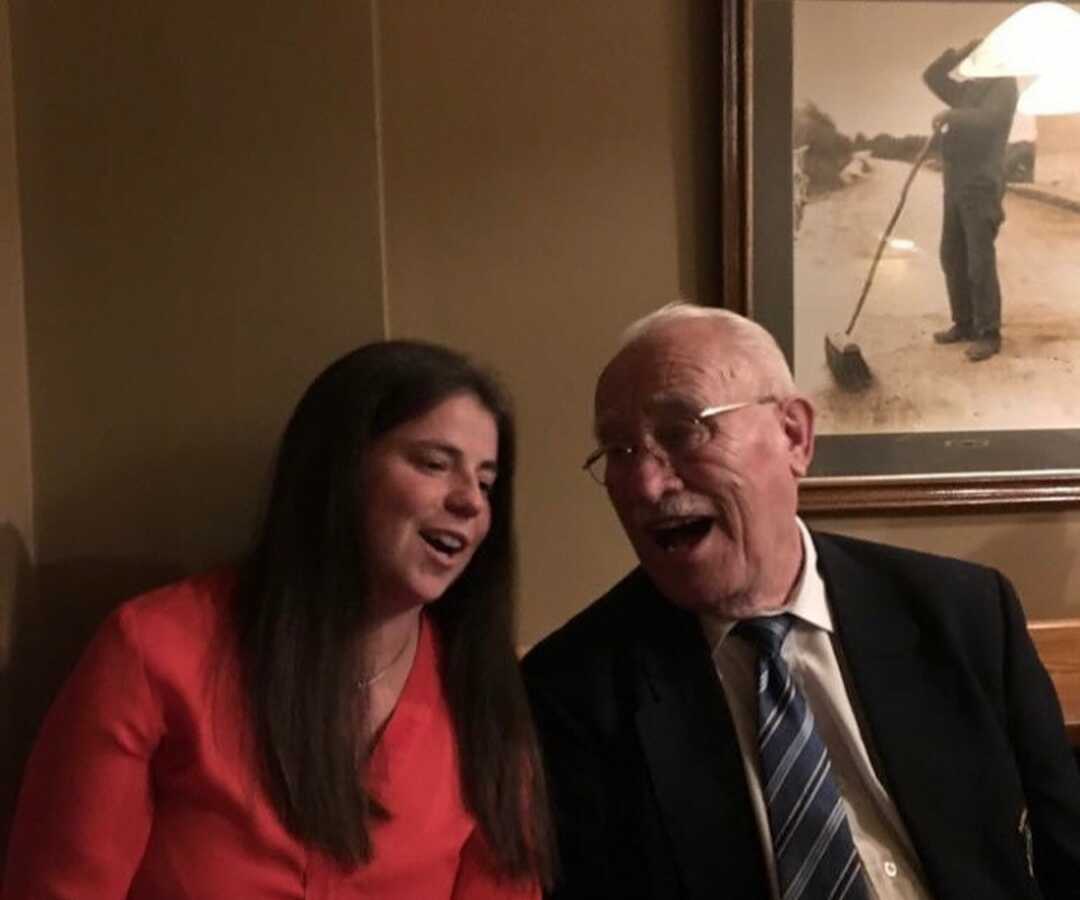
{"x": 651, "y": 474}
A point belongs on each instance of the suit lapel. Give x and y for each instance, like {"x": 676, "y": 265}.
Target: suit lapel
{"x": 910, "y": 703}
{"x": 693, "y": 757}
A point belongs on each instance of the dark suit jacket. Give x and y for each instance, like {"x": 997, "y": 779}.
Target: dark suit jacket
{"x": 959, "y": 716}
{"x": 973, "y": 146}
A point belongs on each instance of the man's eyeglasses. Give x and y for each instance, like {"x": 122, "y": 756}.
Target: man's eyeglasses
{"x": 672, "y": 438}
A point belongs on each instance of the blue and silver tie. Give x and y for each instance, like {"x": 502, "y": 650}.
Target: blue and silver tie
{"x": 815, "y": 854}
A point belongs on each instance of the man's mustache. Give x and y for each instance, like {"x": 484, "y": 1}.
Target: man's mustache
{"x": 675, "y": 506}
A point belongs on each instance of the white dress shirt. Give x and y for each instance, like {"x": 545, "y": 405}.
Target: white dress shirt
{"x": 882, "y": 841}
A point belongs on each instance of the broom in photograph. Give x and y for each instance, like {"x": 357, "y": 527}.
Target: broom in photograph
{"x": 842, "y": 355}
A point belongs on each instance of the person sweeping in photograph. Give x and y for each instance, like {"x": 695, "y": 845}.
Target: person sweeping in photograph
{"x": 974, "y": 133}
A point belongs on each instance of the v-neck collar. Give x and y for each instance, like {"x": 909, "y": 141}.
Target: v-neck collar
{"x": 420, "y": 696}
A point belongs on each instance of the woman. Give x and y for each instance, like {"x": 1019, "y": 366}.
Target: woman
{"x": 340, "y": 716}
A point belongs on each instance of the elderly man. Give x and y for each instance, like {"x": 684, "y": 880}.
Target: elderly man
{"x": 759, "y": 711}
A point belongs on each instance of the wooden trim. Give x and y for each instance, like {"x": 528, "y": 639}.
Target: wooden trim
{"x": 1058, "y": 644}
{"x": 734, "y": 175}
{"x": 842, "y": 497}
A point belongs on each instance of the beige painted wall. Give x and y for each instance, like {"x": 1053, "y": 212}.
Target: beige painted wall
{"x": 200, "y": 238}
{"x": 545, "y": 183}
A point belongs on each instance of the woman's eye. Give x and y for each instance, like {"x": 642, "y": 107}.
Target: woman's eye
{"x": 432, "y": 463}
{"x": 486, "y": 487}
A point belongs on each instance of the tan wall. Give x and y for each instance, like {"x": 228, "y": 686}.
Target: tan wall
{"x": 200, "y": 239}
{"x": 200, "y": 235}
{"x": 545, "y": 184}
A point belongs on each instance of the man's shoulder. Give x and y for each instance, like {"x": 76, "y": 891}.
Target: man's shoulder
{"x": 900, "y": 578}
{"x": 603, "y": 643}
{"x": 601, "y": 624}
{"x": 836, "y": 549}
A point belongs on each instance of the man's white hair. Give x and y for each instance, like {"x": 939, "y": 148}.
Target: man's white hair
{"x": 755, "y": 355}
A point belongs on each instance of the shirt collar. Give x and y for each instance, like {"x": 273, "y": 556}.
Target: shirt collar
{"x": 807, "y": 601}
{"x": 810, "y": 604}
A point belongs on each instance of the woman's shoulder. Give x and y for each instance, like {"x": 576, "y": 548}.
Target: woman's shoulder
{"x": 153, "y": 655}
{"x": 181, "y": 618}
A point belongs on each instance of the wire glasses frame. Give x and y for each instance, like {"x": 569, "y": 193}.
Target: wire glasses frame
{"x": 672, "y": 439}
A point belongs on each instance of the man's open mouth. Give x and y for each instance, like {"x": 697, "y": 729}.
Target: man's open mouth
{"x": 681, "y": 533}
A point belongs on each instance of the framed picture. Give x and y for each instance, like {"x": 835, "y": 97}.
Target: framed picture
{"x": 827, "y": 120}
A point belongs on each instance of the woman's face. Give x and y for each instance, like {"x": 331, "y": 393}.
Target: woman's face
{"x": 426, "y": 485}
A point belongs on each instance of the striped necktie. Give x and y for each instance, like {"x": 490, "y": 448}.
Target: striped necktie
{"x": 815, "y": 854}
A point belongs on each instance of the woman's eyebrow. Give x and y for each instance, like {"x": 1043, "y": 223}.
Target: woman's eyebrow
{"x": 456, "y": 453}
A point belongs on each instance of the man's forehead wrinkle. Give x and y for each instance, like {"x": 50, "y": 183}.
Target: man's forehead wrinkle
{"x": 618, "y": 405}
{"x": 689, "y": 377}
{"x": 688, "y": 368}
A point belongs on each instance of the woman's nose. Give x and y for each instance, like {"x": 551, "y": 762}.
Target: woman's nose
{"x": 466, "y": 497}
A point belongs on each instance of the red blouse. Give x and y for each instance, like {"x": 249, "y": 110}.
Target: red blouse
{"x": 141, "y": 784}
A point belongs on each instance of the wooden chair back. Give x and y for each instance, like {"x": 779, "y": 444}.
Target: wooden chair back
{"x": 1058, "y": 644}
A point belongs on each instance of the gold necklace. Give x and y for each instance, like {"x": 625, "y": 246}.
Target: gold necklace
{"x": 363, "y": 684}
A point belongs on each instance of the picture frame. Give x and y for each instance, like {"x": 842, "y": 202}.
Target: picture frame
{"x": 946, "y": 465}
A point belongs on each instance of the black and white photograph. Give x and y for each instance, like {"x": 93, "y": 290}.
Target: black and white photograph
{"x": 934, "y": 284}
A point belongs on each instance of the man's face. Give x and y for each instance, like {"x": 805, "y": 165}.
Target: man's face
{"x": 714, "y": 529}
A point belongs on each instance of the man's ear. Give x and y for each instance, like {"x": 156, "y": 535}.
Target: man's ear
{"x": 797, "y": 420}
